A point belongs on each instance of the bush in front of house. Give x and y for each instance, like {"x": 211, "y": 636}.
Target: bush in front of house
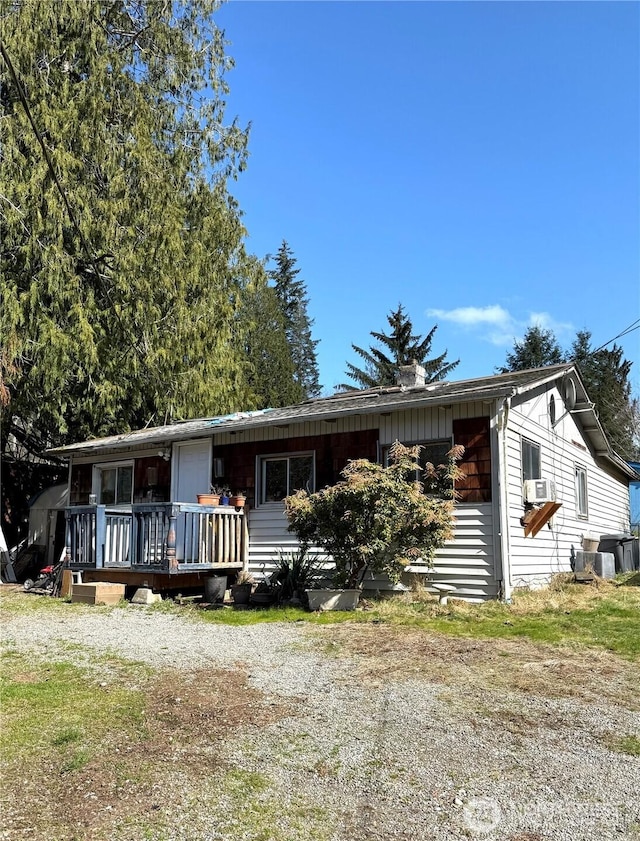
{"x": 378, "y": 518}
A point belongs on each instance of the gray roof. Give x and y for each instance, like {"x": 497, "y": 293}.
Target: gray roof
{"x": 365, "y": 402}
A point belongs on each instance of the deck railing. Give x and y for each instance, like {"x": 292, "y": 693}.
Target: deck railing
{"x": 164, "y": 537}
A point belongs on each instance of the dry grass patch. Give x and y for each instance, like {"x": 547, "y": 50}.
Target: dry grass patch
{"x": 385, "y": 651}
{"x": 103, "y": 757}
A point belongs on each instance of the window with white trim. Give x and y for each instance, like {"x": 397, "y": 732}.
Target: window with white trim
{"x": 115, "y": 484}
{"x": 582, "y": 505}
{"x": 530, "y": 460}
{"x": 283, "y": 475}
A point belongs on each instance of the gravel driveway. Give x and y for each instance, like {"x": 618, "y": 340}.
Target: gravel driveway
{"x": 380, "y": 753}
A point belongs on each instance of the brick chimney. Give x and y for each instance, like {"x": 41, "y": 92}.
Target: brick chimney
{"x": 411, "y": 375}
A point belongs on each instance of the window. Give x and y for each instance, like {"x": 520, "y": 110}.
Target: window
{"x": 582, "y": 509}
{"x": 283, "y": 475}
{"x": 530, "y": 460}
{"x": 115, "y": 484}
{"x": 432, "y": 452}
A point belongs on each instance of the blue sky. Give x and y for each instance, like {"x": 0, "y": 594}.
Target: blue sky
{"x": 477, "y": 162}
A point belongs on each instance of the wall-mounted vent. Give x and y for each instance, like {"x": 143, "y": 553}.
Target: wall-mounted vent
{"x": 569, "y": 393}
{"x": 537, "y": 491}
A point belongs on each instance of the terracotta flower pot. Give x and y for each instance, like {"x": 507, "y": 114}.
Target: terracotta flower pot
{"x": 238, "y": 501}
{"x": 208, "y": 499}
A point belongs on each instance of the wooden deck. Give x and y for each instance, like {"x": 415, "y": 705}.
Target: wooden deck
{"x": 173, "y": 538}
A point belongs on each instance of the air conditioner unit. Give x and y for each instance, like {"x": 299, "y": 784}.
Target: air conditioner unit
{"x": 539, "y": 490}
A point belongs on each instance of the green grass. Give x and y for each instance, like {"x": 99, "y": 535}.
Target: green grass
{"x": 629, "y": 745}
{"x": 278, "y": 614}
{"x": 612, "y": 624}
{"x": 607, "y": 618}
{"x": 57, "y": 711}
{"x": 260, "y": 812}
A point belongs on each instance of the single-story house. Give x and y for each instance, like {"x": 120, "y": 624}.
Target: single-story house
{"x": 538, "y": 470}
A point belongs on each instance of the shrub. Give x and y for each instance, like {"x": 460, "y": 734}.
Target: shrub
{"x": 295, "y": 572}
{"x": 378, "y": 518}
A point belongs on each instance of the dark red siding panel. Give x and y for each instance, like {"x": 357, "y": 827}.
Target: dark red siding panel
{"x": 473, "y": 434}
{"x": 332, "y": 451}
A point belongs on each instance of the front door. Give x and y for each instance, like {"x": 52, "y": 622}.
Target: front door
{"x": 191, "y": 476}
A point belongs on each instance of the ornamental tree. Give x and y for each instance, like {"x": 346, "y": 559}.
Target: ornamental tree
{"x": 378, "y": 518}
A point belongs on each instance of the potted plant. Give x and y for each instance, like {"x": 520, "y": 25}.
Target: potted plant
{"x": 241, "y": 590}
{"x": 212, "y": 498}
{"x": 376, "y": 519}
{"x": 295, "y": 573}
{"x": 225, "y": 496}
{"x": 238, "y": 500}
{"x": 266, "y": 592}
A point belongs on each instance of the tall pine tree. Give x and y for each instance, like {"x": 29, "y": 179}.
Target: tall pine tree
{"x": 291, "y": 293}
{"x": 401, "y": 347}
{"x": 606, "y": 377}
{"x": 605, "y": 374}
{"x": 539, "y": 347}
{"x": 270, "y": 371}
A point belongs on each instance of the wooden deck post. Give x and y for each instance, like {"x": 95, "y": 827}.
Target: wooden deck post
{"x": 101, "y": 534}
{"x": 67, "y": 538}
{"x": 171, "y": 560}
{"x": 244, "y": 550}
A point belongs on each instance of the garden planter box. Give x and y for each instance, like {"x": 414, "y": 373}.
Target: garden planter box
{"x": 333, "y": 599}
{"x": 98, "y": 592}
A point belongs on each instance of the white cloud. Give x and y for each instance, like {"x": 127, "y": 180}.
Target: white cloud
{"x": 547, "y": 322}
{"x": 497, "y": 325}
{"x": 471, "y": 316}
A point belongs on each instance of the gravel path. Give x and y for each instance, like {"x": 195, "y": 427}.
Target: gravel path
{"x": 379, "y": 759}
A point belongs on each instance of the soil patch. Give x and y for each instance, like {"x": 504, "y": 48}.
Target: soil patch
{"x": 131, "y": 778}
{"x": 487, "y": 665}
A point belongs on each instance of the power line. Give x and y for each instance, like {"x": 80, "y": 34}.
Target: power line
{"x": 45, "y": 152}
{"x": 635, "y": 325}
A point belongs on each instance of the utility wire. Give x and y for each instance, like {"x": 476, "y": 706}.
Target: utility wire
{"x": 45, "y": 152}
{"x": 635, "y": 325}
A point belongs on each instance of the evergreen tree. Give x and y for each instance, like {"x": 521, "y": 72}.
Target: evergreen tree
{"x": 123, "y": 312}
{"x": 606, "y": 377}
{"x": 401, "y": 347}
{"x": 605, "y": 374}
{"x": 268, "y": 353}
{"x": 123, "y": 264}
{"x": 538, "y": 348}
{"x": 291, "y": 293}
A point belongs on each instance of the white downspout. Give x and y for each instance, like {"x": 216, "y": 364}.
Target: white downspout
{"x": 503, "y": 485}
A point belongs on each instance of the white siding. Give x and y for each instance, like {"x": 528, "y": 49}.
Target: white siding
{"x": 350, "y": 423}
{"x": 426, "y": 424}
{"x": 268, "y": 536}
{"x": 534, "y": 559}
{"x": 467, "y": 561}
